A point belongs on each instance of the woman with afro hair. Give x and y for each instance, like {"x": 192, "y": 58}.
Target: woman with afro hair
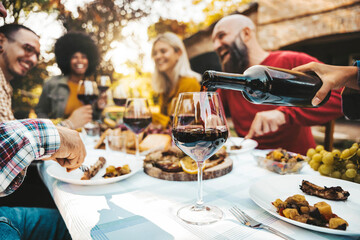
{"x": 77, "y": 56}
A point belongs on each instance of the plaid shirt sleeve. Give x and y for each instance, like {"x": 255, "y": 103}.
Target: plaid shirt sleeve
{"x": 21, "y": 142}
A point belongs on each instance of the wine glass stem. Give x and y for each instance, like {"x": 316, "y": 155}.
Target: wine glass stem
{"x": 137, "y": 146}
{"x": 199, "y": 203}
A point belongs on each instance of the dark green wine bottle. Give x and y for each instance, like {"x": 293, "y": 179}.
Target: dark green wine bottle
{"x": 268, "y": 85}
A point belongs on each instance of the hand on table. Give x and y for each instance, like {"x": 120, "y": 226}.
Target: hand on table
{"x": 71, "y": 153}
{"x": 266, "y": 122}
{"x": 81, "y": 116}
{"x": 333, "y": 77}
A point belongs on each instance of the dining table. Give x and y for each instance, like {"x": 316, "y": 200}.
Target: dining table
{"x": 144, "y": 207}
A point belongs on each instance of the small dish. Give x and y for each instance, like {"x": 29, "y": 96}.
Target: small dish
{"x": 246, "y": 145}
{"x": 280, "y": 167}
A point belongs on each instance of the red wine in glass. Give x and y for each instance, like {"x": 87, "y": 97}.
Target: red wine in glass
{"x": 137, "y": 125}
{"x": 87, "y": 99}
{"x": 119, "y": 101}
{"x": 103, "y": 88}
{"x": 205, "y": 141}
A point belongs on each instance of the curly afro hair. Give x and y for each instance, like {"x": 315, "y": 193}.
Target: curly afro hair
{"x": 73, "y": 42}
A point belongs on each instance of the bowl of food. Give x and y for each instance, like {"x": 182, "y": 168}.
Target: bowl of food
{"x": 280, "y": 160}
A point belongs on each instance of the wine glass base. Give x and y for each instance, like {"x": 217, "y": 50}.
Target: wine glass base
{"x": 205, "y": 215}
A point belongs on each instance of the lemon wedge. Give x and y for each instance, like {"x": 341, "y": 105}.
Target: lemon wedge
{"x": 189, "y": 165}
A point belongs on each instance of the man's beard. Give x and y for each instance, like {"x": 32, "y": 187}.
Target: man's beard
{"x": 239, "y": 58}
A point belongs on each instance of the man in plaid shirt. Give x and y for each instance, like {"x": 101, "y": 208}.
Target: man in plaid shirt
{"x": 21, "y": 142}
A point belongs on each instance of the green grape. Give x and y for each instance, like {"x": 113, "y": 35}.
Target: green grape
{"x": 319, "y": 148}
{"x": 328, "y": 158}
{"x": 317, "y": 157}
{"x": 345, "y": 153}
{"x": 315, "y": 166}
{"x": 353, "y": 150}
{"x": 336, "y": 153}
{"x": 350, "y": 166}
{"x": 323, "y": 152}
{"x": 310, "y": 153}
{"x": 357, "y": 178}
{"x": 350, "y": 173}
{"x": 335, "y": 174}
{"x": 343, "y": 176}
{"x": 325, "y": 169}
{"x": 311, "y": 162}
{"x": 358, "y": 152}
{"x": 355, "y": 145}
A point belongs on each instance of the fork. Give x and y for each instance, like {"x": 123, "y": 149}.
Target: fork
{"x": 250, "y": 222}
{"x": 84, "y": 168}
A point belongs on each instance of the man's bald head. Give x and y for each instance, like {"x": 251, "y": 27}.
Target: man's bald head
{"x": 235, "y": 22}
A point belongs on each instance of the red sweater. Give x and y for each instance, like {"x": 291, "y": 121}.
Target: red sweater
{"x": 296, "y": 134}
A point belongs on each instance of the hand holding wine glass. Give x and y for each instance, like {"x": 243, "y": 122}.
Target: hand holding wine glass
{"x": 199, "y": 130}
{"x": 137, "y": 117}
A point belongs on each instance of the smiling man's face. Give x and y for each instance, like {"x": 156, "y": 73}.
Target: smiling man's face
{"x": 20, "y": 53}
{"x": 229, "y": 46}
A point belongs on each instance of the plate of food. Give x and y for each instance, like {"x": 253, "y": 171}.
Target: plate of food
{"x": 280, "y": 160}
{"x": 313, "y": 202}
{"x": 236, "y": 145}
{"x": 103, "y": 168}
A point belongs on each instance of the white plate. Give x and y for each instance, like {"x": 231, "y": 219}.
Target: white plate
{"x": 247, "y": 145}
{"x": 114, "y": 158}
{"x": 267, "y": 190}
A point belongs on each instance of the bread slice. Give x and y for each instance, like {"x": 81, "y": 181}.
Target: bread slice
{"x": 157, "y": 141}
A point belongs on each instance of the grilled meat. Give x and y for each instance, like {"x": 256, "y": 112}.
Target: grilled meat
{"x": 94, "y": 169}
{"x": 331, "y": 193}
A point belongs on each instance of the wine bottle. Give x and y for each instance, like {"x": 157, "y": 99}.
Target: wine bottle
{"x": 268, "y": 85}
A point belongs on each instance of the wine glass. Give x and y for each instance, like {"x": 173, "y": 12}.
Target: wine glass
{"x": 119, "y": 95}
{"x": 172, "y": 109}
{"x": 88, "y": 93}
{"x": 103, "y": 83}
{"x": 137, "y": 117}
{"x": 199, "y": 130}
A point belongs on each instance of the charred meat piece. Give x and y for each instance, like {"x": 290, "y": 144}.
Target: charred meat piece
{"x": 94, "y": 169}
{"x": 331, "y": 193}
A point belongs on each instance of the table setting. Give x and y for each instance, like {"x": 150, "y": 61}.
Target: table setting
{"x": 237, "y": 204}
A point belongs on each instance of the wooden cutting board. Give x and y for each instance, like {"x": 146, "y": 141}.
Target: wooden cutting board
{"x": 213, "y": 172}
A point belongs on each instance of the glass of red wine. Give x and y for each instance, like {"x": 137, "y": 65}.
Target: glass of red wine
{"x": 199, "y": 130}
{"x": 137, "y": 117}
{"x": 88, "y": 93}
{"x": 103, "y": 83}
{"x": 120, "y": 95}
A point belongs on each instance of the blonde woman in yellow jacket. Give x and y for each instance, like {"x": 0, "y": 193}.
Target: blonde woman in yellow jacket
{"x": 172, "y": 74}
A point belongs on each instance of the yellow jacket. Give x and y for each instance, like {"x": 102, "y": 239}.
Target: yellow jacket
{"x": 185, "y": 84}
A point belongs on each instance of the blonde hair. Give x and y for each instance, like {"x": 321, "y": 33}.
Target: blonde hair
{"x": 161, "y": 83}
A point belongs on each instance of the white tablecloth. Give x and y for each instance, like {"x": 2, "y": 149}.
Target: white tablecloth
{"x": 143, "y": 207}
